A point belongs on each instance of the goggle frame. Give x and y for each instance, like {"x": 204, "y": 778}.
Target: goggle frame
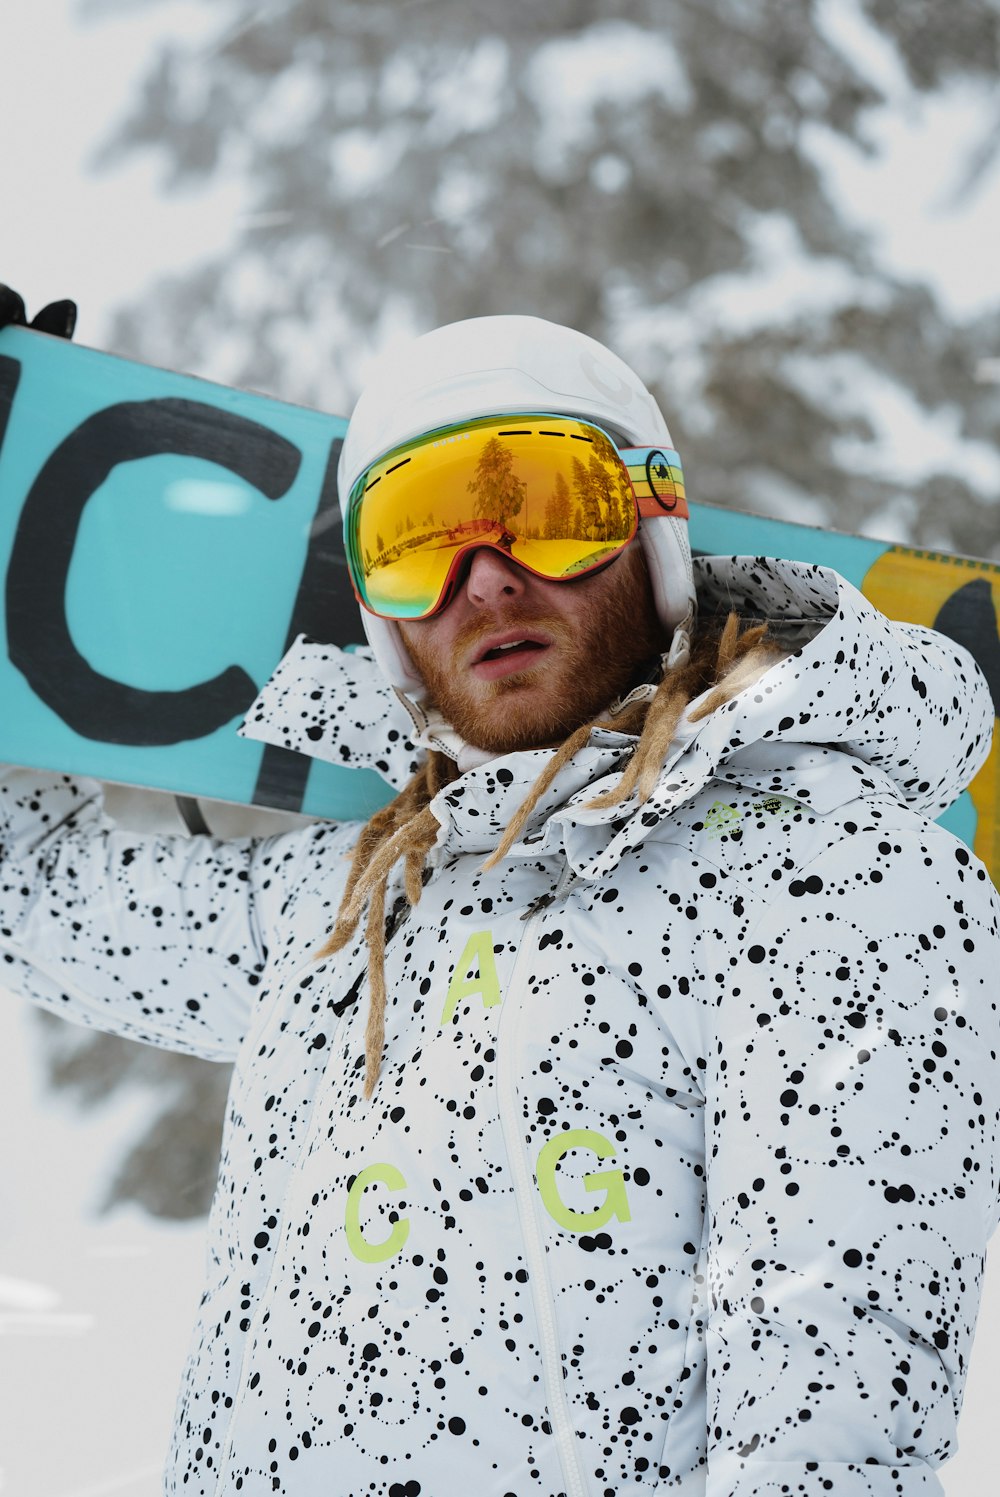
{"x": 654, "y": 475}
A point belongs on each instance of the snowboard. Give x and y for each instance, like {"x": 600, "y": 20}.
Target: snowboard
{"x": 164, "y": 539}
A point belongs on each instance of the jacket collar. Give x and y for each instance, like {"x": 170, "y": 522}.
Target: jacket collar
{"x": 902, "y": 703}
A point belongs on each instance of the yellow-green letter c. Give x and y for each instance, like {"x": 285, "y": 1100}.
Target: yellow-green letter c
{"x": 374, "y": 1252}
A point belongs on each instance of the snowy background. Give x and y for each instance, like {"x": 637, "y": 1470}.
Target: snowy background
{"x": 835, "y": 342}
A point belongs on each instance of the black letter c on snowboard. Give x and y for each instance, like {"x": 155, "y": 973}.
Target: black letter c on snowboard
{"x": 39, "y": 641}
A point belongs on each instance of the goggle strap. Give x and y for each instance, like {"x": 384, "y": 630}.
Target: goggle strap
{"x": 658, "y": 481}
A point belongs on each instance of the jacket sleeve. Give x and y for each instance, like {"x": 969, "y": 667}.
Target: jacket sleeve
{"x": 160, "y": 938}
{"x": 852, "y": 1123}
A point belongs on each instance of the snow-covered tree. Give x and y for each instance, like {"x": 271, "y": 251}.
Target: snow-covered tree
{"x": 499, "y": 493}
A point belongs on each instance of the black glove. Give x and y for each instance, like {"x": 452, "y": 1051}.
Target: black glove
{"x": 58, "y": 318}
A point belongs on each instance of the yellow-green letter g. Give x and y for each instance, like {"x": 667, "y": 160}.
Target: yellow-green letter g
{"x": 615, "y": 1202}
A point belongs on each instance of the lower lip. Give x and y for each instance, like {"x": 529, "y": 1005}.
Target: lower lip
{"x": 511, "y": 663}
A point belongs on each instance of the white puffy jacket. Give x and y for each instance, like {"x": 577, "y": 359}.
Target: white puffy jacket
{"x": 682, "y": 1163}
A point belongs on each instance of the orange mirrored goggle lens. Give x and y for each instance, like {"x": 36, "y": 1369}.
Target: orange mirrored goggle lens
{"x": 553, "y": 494}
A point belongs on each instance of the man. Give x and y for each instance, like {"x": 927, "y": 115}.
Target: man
{"x": 646, "y": 1141}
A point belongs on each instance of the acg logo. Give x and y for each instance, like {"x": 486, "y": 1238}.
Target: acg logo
{"x": 368, "y": 1246}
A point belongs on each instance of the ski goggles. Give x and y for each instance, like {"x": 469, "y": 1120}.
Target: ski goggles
{"x": 552, "y": 493}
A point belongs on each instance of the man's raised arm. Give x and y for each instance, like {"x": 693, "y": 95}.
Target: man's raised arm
{"x": 160, "y": 938}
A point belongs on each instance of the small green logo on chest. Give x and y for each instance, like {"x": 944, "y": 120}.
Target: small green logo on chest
{"x": 723, "y": 820}
{"x": 720, "y": 819}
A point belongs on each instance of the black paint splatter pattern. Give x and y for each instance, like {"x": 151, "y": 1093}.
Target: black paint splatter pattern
{"x": 682, "y": 1183}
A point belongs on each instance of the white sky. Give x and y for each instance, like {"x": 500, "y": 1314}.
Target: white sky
{"x": 63, "y": 230}
{"x": 101, "y": 239}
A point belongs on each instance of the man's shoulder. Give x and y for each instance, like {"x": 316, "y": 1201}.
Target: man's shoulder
{"x": 757, "y": 823}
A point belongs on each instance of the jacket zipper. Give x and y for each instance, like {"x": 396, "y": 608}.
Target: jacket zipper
{"x": 524, "y": 1197}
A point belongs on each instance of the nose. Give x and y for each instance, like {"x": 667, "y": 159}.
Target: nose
{"x": 493, "y": 578}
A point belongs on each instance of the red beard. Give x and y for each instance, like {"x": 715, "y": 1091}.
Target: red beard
{"x": 591, "y": 662}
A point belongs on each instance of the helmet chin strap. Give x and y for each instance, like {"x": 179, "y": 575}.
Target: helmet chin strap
{"x": 679, "y": 652}
{"x": 391, "y": 655}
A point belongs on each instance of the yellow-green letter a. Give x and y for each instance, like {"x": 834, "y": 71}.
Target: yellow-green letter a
{"x": 475, "y": 972}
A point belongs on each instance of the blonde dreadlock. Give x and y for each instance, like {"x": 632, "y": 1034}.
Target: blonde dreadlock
{"x": 722, "y": 664}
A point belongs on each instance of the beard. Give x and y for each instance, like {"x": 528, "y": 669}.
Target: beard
{"x": 592, "y": 661}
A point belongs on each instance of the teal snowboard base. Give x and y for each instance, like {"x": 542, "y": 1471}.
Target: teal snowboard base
{"x": 164, "y": 539}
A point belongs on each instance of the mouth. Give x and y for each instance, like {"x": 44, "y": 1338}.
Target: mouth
{"x": 503, "y": 654}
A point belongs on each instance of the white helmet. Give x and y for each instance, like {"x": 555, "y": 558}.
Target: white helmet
{"x": 491, "y": 366}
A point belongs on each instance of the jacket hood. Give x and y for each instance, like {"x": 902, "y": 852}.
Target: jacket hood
{"x": 906, "y": 705}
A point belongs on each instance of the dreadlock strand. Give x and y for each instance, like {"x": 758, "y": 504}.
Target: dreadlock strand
{"x": 642, "y": 720}
{"x": 412, "y": 869}
{"x": 375, "y": 832}
{"x": 376, "y": 871}
{"x": 388, "y": 855}
{"x": 423, "y": 833}
{"x": 727, "y": 646}
{"x": 375, "y": 1028}
{"x": 655, "y": 722}
{"x": 657, "y": 738}
{"x": 726, "y": 660}
{"x": 630, "y": 720}
{"x": 748, "y": 667}
{"x": 562, "y": 756}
